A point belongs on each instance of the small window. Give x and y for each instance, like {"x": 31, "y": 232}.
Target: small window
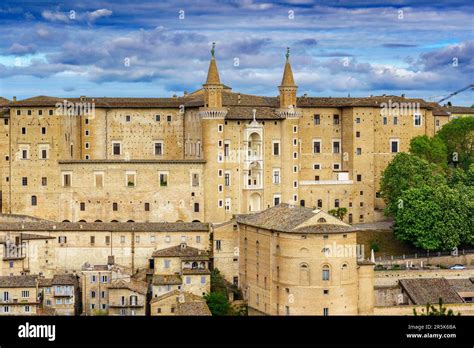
{"x": 385, "y": 120}
{"x": 163, "y": 179}
{"x": 23, "y": 130}
{"x": 316, "y": 166}
{"x": 158, "y": 149}
{"x": 336, "y": 120}
{"x": 359, "y": 151}
{"x": 24, "y": 181}
{"x": 158, "y": 118}
{"x": 43, "y": 130}
{"x": 336, "y": 146}
{"x": 116, "y": 149}
{"x": 168, "y": 118}
{"x": 317, "y": 120}
{"x": 44, "y": 181}
{"x": 29, "y": 112}
{"x": 395, "y": 120}
{"x": 147, "y": 206}
{"x": 393, "y": 146}
{"x": 326, "y": 274}
{"x": 83, "y": 206}
{"x": 417, "y": 120}
{"x": 34, "y": 201}
{"x": 357, "y": 134}
{"x": 115, "y": 206}
{"x": 357, "y": 120}
{"x": 196, "y": 207}
{"x": 316, "y": 146}
{"x": 359, "y": 177}
{"x": 276, "y": 148}
{"x": 336, "y": 203}
{"x": 67, "y": 180}
{"x": 128, "y": 118}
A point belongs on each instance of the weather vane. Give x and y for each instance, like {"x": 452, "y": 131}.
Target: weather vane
{"x": 287, "y": 53}
{"x": 213, "y": 48}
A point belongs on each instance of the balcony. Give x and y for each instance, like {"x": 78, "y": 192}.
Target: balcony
{"x": 63, "y": 293}
{"x": 13, "y": 251}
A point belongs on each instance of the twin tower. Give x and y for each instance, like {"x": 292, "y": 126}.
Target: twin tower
{"x": 213, "y": 87}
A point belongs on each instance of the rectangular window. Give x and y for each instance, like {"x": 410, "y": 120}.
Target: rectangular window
{"x": 359, "y": 177}
{"x": 196, "y": 207}
{"x": 92, "y": 240}
{"x": 24, "y": 154}
{"x": 228, "y": 204}
{"x": 276, "y": 199}
{"x": 336, "y": 146}
{"x": 43, "y": 130}
{"x": 325, "y": 311}
{"x": 203, "y": 280}
{"x": 83, "y": 206}
{"x": 218, "y": 244}
{"x": 67, "y": 180}
{"x": 167, "y": 263}
{"x": 276, "y": 148}
{"x": 130, "y": 179}
{"x": 336, "y": 120}
{"x": 336, "y": 166}
{"x": 147, "y": 206}
{"x": 317, "y": 166}
{"x": 227, "y": 179}
{"x": 395, "y": 120}
{"x": 164, "y": 179}
{"x": 24, "y": 181}
{"x": 158, "y": 148}
{"x": 394, "y": 146}
{"x": 25, "y": 293}
{"x": 316, "y": 146}
{"x": 116, "y": 149}
{"x": 357, "y": 134}
{"x": 417, "y": 120}
{"x": 317, "y": 120}
{"x": 157, "y": 118}
{"x": 385, "y": 120}
{"x": 276, "y": 176}
{"x": 169, "y": 118}
{"x": 44, "y": 154}
{"x": 358, "y": 151}
{"x": 226, "y": 149}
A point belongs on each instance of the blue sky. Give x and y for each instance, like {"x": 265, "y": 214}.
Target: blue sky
{"x": 144, "y": 49}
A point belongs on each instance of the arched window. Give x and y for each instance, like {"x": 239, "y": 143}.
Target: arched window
{"x": 34, "y": 200}
{"x": 304, "y": 274}
{"x": 98, "y": 221}
{"x": 326, "y": 272}
{"x": 194, "y": 265}
{"x": 304, "y": 250}
{"x": 336, "y": 203}
{"x": 133, "y": 300}
{"x": 82, "y": 220}
{"x": 322, "y": 220}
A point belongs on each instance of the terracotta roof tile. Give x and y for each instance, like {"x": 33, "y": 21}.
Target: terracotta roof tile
{"x": 167, "y": 279}
{"x": 181, "y": 250}
{"x": 21, "y": 281}
{"x": 429, "y": 290}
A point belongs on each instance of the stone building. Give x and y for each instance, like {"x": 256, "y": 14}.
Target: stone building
{"x": 181, "y": 268}
{"x": 179, "y": 303}
{"x": 19, "y": 295}
{"x": 47, "y": 248}
{"x": 299, "y": 261}
{"x": 127, "y": 297}
{"x": 60, "y": 294}
{"x": 204, "y": 156}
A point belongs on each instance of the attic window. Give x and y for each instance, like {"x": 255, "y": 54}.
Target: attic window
{"x": 322, "y": 220}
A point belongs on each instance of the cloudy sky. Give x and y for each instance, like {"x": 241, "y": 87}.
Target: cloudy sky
{"x": 159, "y": 48}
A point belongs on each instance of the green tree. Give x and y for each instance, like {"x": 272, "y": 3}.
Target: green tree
{"x": 458, "y": 136}
{"x": 434, "y": 217}
{"x": 404, "y": 172}
{"x": 433, "y": 311}
{"x": 218, "y": 303}
{"x": 431, "y": 149}
{"x": 339, "y": 212}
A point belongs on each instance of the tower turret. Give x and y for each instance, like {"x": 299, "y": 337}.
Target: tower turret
{"x": 288, "y": 87}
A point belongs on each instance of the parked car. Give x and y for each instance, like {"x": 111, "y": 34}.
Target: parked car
{"x": 457, "y": 266}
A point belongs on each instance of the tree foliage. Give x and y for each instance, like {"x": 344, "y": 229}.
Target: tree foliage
{"x": 404, "y": 172}
{"x": 218, "y": 303}
{"x": 339, "y": 212}
{"x": 458, "y": 136}
{"x": 434, "y": 217}
{"x": 432, "y": 150}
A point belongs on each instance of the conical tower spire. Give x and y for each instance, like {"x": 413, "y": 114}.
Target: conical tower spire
{"x": 213, "y": 72}
{"x": 287, "y": 87}
{"x": 288, "y": 80}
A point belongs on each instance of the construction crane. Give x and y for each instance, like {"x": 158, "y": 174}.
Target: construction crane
{"x": 471, "y": 86}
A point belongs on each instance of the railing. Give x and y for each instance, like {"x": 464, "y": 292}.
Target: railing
{"x": 424, "y": 255}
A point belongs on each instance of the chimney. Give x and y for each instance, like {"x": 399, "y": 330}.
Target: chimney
{"x": 403, "y": 95}
{"x": 14, "y": 98}
{"x": 238, "y": 98}
{"x": 185, "y": 93}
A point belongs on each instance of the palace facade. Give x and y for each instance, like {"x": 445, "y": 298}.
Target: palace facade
{"x": 204, "y": 156}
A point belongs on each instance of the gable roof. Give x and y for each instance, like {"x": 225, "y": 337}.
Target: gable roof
{"x": 429, "y": 290}
{"x": 21, "y": 281}
{"x": 182, "y": 250}
{"x": 296, "y": 219}
{"x": 133, "y": 285}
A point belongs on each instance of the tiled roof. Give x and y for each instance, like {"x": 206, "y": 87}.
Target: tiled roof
{"x": 45, "y": 282}
{"x": 438, "y": 110}
{"x": 3, "y": 101}
{"x": 288, "y": 218}
{"x": 105, "y": 226}
{"x": 133, "y": 285}
{"x": 429, "y": 290}
{"x": 193, "y": 308}
{"x": 64, "y": 279}
{"x": 104, "y": 102}
{"x": 191, "y": 271}
{"x": 21, "y": 281}
{"x": 167, "y": 279}
{"x": 462, "y": 285}
{"x": 181, "y": 250}
{"x": 459, "y": 110}
{"x": 187, "y": 303}
{"x": 373, "y": 101}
